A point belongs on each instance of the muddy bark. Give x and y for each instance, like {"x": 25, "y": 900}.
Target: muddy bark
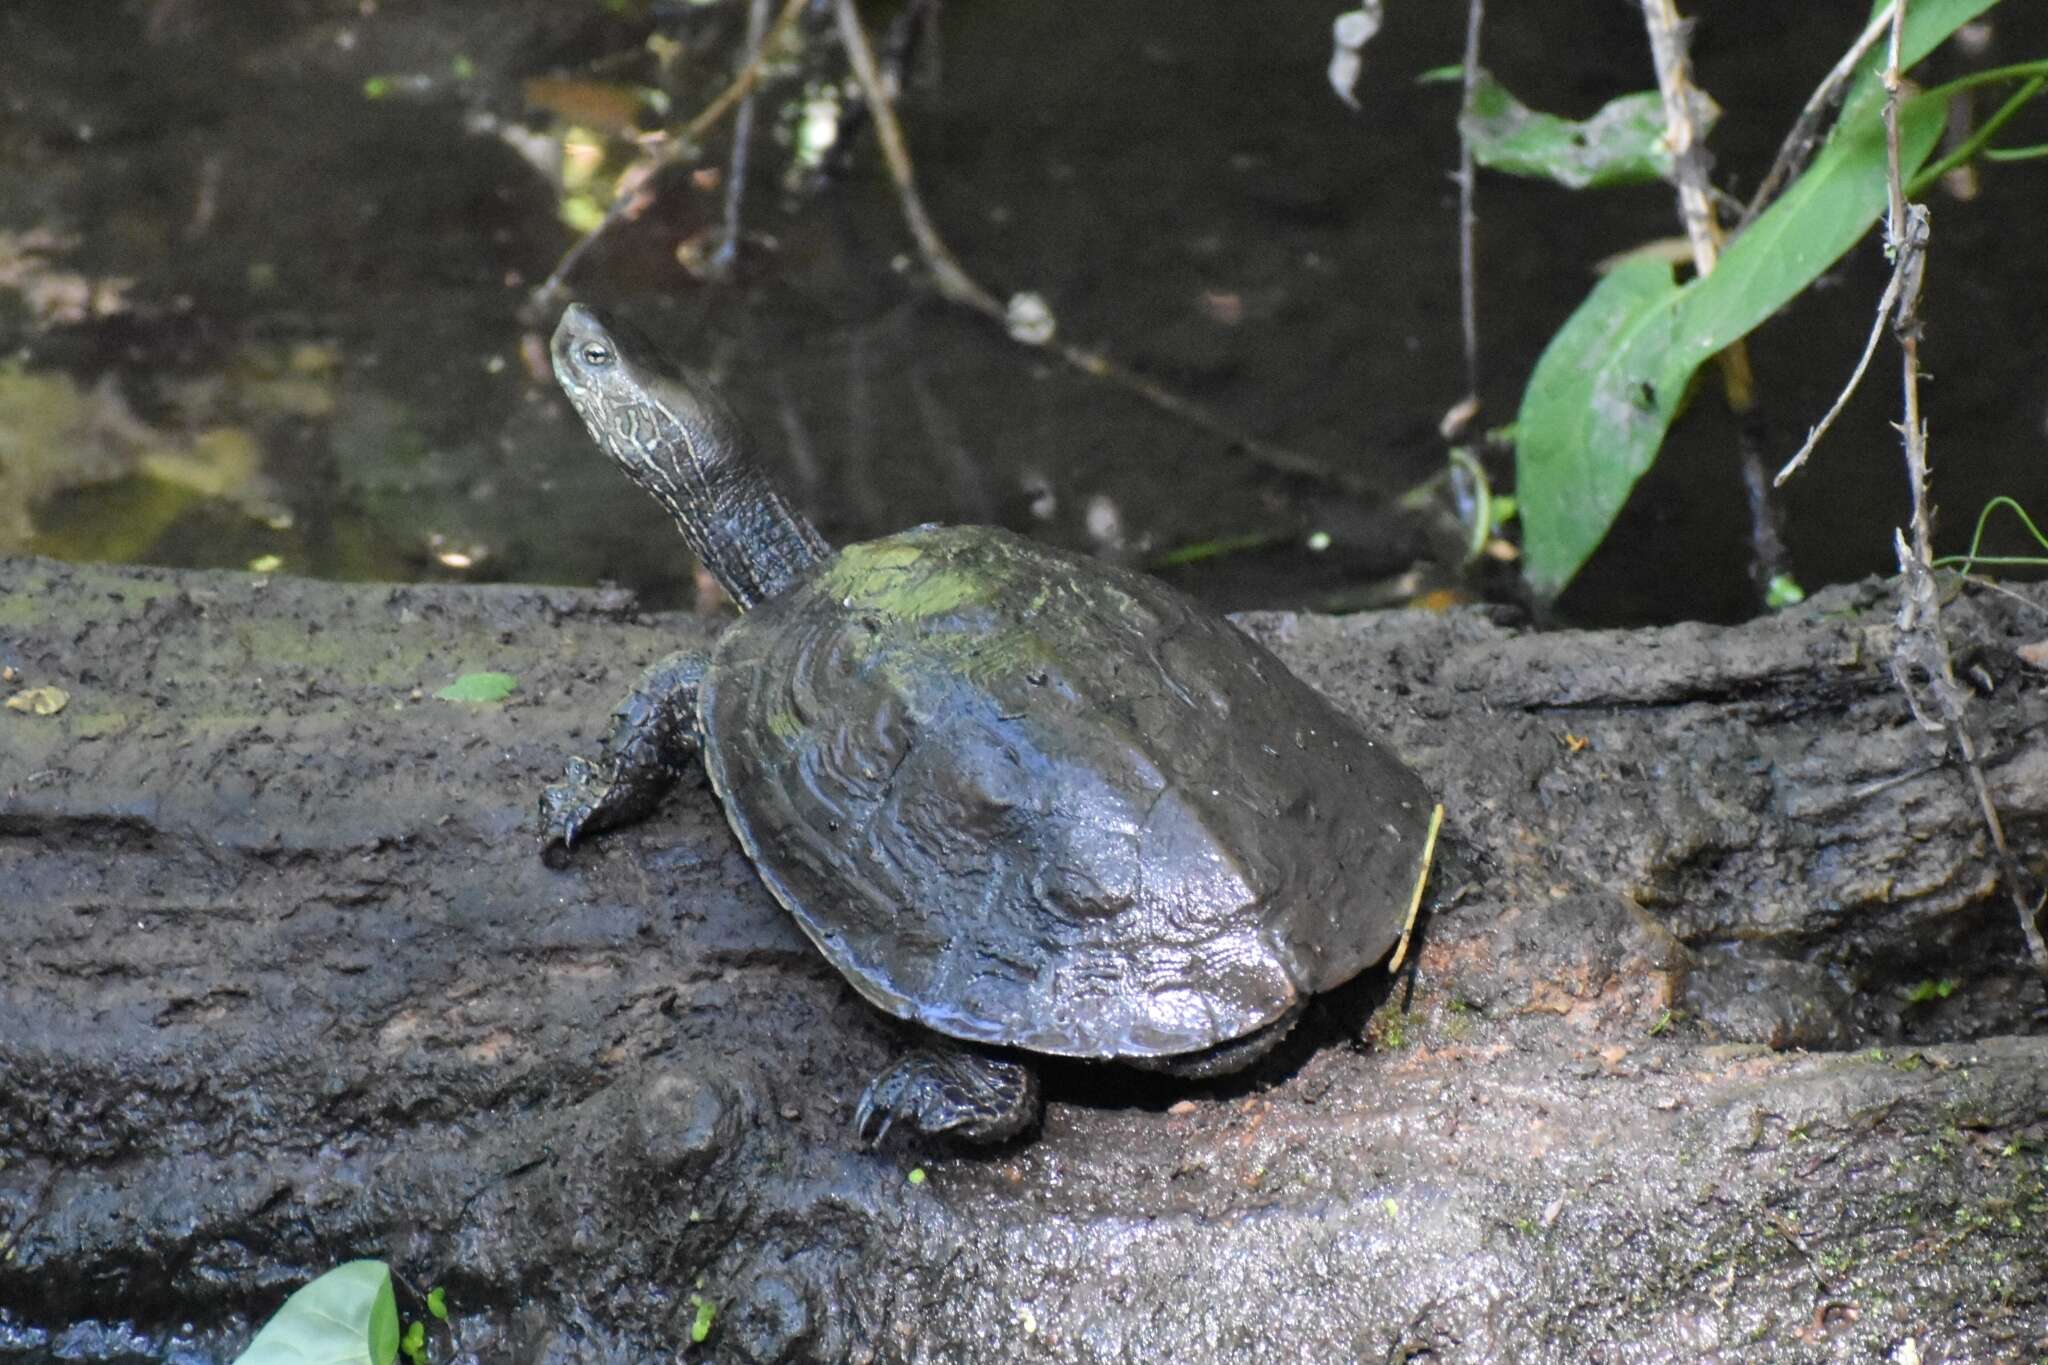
{"x": 1718, "y": 1038}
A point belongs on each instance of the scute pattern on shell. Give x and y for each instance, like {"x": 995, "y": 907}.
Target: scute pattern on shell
{"x": 1026, "y": 798}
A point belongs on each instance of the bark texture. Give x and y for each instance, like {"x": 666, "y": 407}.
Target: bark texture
{"x": 285, "y": 983}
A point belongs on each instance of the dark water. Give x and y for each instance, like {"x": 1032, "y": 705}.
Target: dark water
{"x": 308, "y": 300}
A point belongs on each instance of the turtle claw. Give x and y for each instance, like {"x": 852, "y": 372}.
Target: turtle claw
{"x": 961, "y": 1093}
{"x": 653, "y": 737}
{"x": 566, "y": 807}
{"x": 865, "y": 1126}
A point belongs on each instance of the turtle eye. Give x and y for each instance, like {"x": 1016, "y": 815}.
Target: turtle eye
{"x": 596, "y": 354}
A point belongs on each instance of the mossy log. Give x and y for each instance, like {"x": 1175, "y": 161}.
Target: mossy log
{"x": 1719, "y": 1037}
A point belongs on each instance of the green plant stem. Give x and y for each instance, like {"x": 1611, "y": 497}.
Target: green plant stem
{"x": 1983, "y": 134}
{"x": 1977, "y": 538}
{"x": 2016, "y": 153}
{"x": 2017, "y": 71}
{"x": 1216, "y": 548}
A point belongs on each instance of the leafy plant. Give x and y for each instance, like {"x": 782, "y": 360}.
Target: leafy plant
{"x": 348, "y": 1316}
{"x": 1622, "y": 144}
{"x": 1619, "y": 372}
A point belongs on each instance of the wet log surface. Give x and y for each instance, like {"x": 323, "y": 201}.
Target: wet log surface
{"x": 285, "y": 984}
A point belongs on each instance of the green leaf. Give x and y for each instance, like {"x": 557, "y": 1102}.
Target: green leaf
{"x": 700, "y": 1326}
{"x": 346, "y": 1317}
{"x": 1818, "y": 218}
{"x": 479, "y": 687}
{"x": 1611, "y": 381}
{"x": 437, "y": 1303}
{"x": 1623, "y": 144}
{"x": 1575, "y": 462}
{"x": 414, "y": 1342}
{"x": 1783, "y": 591}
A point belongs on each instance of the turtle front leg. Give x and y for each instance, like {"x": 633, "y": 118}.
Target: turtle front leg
{"x": 654, "y": 735}
{"x": 952, "y": 1090}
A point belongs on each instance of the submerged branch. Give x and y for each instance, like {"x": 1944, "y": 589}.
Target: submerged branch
{"x": 954, "y": 283}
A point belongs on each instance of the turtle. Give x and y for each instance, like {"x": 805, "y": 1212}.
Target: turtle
{"x": 1035, "y": 803}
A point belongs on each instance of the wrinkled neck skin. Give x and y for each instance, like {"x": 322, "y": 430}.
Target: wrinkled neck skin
{"x": 744, "y": 532}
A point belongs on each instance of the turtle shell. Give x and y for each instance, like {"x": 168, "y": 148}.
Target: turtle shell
{"x": 1026, "y": 798}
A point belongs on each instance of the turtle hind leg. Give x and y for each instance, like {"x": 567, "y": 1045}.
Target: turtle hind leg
{"x": 654, "y": 735}
{"x": 957, "y": 1091}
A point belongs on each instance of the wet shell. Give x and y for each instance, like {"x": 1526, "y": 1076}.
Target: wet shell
{"x": 1025, "y": 798}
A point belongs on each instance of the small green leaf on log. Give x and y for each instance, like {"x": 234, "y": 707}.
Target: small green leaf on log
{"x": 1928, "y": 991}
{"x": 479, "y": 687}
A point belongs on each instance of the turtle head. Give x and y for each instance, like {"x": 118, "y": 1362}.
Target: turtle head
{"x": 675, "y": 437}
{"x": 650, "y": 415}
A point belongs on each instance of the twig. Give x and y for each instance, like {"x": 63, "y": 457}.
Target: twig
{"x": 1281, "y": 459}
{"x": 955, "y": 284}
{"x": 1805, "y": 135}
{"x": 1468, "y": 218}
{"x": 728, "y": 252}
{"x": 1920, "y": 646}
{"x": 664, "y": 153}
{"x": 1820, "y": 428}
{"x": 952, "y": 279}
{"x": 1668, "y": 37}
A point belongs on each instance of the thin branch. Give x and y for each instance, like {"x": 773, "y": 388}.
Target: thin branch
{"x": 952, "y": 279}
{"x": 664, "y": 152}
{"x": 1806, "y": 129}
{"x": 1920, "y": 651}
{"x": 1696, "y": 199}
{"x": 1279, "y": 458}
{"x": 728, "y": 253}
{"x": 1468, "y": 218}
{"x": 956, "y": 284}
{"x": 1820, "y": 428}
{"x": 1668, "y": 37}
